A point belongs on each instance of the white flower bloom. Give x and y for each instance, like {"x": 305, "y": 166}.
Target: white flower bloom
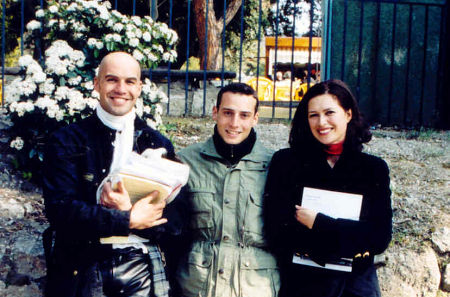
{"x": 89, "y": 85}
{"x": 138, "y": 55}
{"x": 47, "y": 87}
{"x": 25, "y": 60}
{"x": 134, "y": 42}
{"x": 110, "y": 23}
{"x": 117, "y": 37}
{"x": 27, "y": 87}
{"x": 130, "y": 27}
{"x": 40, "y": 13}
{"x": 91, "y": 103}
{"x": 62, "y": 25}
{"x": 147, "y": 109}
{"x": 95, "y": 94}
{"x": 78, "y": 36}
{"x": 17, "y": 143}
{"x": 147, "y": 36}
{"x": 74, "y": 81}
{"x": 152, "y": 57}
{"x": 53, "y": 9}
{"x": 109, "y": 37}
{"x": 137, "y": 20}
{"x": 59, "y": 116}
{"x": 116, "y": 14}
{"x": 92, "y": 42}
{"x": 139, "y": 106}
{"x": 130, "y": 34}
{"x": 138, "y": 33}
{"x": 99, "y": 45}
{"x": 44, "y": 102}
{"x": 39, "y": 77}
{"x": 167, "y": 57}
{"x": 61, "y": 93}
{"x": 118, "y": 27}
{"x": 73, "y": 7}
{"x": 33, "y": 25}
{"x": 51, "y": 23}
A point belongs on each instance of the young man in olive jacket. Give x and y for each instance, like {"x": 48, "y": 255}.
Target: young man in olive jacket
{"x": 227, "y": 254}
{"x": 78, "y": 157}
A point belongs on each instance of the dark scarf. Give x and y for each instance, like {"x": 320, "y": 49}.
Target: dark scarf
{"x": 233, "y": 153}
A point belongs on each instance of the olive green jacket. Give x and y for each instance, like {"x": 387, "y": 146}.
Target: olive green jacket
{"x": 228, "y": 256}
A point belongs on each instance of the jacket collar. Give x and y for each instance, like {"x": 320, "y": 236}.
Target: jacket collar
{"x": 258, "y": 153}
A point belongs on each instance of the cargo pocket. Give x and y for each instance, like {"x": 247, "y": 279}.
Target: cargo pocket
{"x": 194, "y": 274}
{"x": 260, "y": 276}
{"x": 202, "y": 201}
{"x": 253, "y": 226}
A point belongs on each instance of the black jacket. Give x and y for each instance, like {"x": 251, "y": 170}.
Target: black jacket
{"x": 359, "y": 173}
{"x": 76, "y": 159}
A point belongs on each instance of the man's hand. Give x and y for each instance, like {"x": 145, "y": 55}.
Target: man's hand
{"x": 305, "y": 216}
{"x": 145, "y": 215}
{"x": 118, "y": 199}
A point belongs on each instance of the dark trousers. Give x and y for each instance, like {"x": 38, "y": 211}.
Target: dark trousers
{"x": 126, "y": 273}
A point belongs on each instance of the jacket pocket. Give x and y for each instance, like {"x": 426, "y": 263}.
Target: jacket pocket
{"x": 260, "y": 276}
{"x": 193, "y": 275}
{"x": 202, "y": 202}
{"x": 253, "y": 226}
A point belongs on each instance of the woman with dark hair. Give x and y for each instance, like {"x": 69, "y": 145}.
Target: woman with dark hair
{"x": 327, "y": 204}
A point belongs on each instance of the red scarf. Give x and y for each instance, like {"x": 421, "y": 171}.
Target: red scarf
{"x": 335, "y": 149}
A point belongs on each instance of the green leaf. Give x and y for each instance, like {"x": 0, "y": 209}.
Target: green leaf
{"x": 62, "y": 81}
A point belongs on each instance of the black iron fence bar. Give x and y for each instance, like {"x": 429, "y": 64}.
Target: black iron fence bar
{"x": 391, "y": 68}
{"x": 134, "y": 7}
{"x": 360, "y": 44}
{"x": 169, "y": 65}
{"x": 406, "y": 2}
{"x": 424, "y": 63}
{"x": 22, "y": 25}
{"x": 186, "y": 81}
{"x": 377, "y": 43}
{"x": 311, "y": 20}
{"x": 3, "y": 48}
{"x": 344, "y": 37}
{"x": 408, "y": 61}
{"x": 223, "y": 42}
{"x": 259, "y": 44}
{"x": 326, "y": 68}
{"x": 241, "y": 42}
{"x": 205, "y": 58}
{"x": 443, "y": 36}
{"x": 292, "y": 60}
{"x": 153, "y": 9}
{"x": 115, "y": 4}
{"x": 274, "y": 74}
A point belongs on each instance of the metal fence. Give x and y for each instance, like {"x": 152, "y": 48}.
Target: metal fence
{"x": 391, "y": 52}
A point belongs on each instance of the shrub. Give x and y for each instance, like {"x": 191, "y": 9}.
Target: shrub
{"x": 59, "y": 89}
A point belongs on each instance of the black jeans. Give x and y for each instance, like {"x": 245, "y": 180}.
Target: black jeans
{"x": 126, "y": 273}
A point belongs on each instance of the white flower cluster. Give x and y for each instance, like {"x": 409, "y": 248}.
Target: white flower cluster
{"x": 61, "y": 58}
{"x": 17, "y": 143}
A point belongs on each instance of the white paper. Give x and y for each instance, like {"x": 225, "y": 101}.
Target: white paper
{"x": 333, "y": 204}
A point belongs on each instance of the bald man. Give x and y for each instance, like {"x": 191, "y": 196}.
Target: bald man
{"x": 77, "y": 158}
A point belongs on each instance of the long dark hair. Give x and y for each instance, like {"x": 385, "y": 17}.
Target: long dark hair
{"x": 357, "y": 130}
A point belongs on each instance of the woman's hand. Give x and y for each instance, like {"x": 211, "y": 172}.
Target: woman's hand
{"x": 305, "y": 216}
{"x": 118, "y": 199}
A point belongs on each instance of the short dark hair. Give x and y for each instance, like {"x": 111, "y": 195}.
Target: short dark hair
{"x": 357, "y": 129}
{"x": 238, "y": 88}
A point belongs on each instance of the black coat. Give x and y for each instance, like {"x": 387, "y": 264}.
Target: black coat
{"x": 77, "y": 158}
{"x": 359, "y": 173}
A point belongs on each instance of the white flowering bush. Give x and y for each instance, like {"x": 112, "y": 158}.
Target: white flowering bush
{"x": 75, "y": 35}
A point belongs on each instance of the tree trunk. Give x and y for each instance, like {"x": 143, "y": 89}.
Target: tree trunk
{"x": 215, "y": 29}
